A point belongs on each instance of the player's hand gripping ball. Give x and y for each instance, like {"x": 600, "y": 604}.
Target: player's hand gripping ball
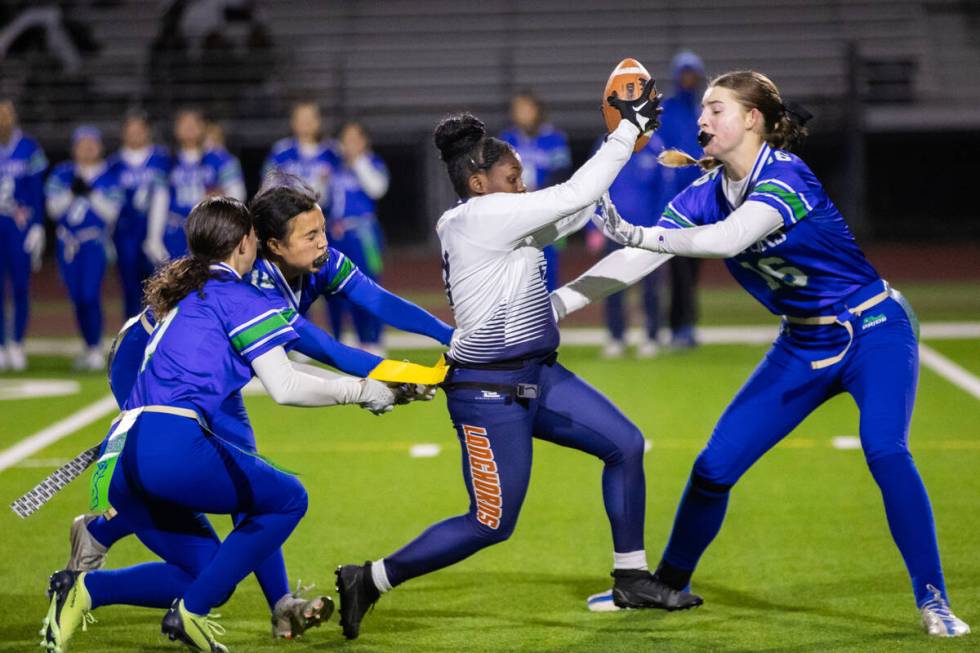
{"x": 630, "y": 94}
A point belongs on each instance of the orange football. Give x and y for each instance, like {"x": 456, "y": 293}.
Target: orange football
{"x": 627, "y": 79}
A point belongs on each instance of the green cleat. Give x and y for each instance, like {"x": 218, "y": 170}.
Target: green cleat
{"x": 195, "y": 630}
{"x": 293, "y": 615}
{"x": 70, "y": 606}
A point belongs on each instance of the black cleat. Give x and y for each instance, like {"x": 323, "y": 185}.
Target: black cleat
{"x": 357, "y": 593}
{"x": 638, "y": 588}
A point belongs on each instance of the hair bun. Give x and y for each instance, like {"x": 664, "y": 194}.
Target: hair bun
{"x": 457, "y": 134}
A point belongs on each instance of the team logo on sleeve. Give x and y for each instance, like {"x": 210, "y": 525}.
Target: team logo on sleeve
{"x": 483, "y": 474}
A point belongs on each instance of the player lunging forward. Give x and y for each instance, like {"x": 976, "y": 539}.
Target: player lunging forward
{"x": 844, "y": 329}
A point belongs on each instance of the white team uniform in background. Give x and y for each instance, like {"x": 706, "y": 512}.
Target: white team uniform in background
{"x": 493, "y": 267}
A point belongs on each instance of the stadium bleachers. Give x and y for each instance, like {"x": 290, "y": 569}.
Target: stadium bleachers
{"x": 400, "y": 63}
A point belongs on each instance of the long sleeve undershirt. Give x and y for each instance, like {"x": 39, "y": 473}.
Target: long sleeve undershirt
{"x": 295, "y": 387}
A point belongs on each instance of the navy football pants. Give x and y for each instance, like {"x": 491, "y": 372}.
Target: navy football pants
{"x": 495, "y": 434}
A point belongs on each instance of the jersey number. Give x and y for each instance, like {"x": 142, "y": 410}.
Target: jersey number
{"x": 776, "y": 273}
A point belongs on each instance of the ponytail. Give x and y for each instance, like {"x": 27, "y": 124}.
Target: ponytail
{"x": 680, "y": 159}
{"x": 214, "y": 229}
{"x": 175, "y": 281}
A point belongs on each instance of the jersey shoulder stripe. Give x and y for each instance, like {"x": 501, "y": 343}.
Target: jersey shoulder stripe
{"x": 245, "y": 338}
{"x": 343, "y": 274}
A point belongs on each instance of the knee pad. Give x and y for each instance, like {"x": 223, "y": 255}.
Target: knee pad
{"x": 707, "y": 485}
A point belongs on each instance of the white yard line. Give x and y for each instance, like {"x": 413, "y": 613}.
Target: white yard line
{"x": 580, "y": 336}
{"x": 949, "y": 370}
{"x": 60, "y": 429}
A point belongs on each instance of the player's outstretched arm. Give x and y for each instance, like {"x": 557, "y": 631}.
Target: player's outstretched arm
{"x": 395, "y": 311}
{"x": 613, "y": 273}
{"x": 748, "y": 224}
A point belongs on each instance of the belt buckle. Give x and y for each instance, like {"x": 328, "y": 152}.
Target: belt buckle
{"x": 527, "y": 391}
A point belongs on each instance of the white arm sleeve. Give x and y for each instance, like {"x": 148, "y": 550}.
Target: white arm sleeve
{"x": 157, "y": 216}
{"x": 58, "y": 203}
{"x": 290, "y": 386}
{"x": 746, "y": 225}
{"x": 373, "y": 180}
{"x": 107, "y": 209}
{"x": 614, "y": 272}
{"x": 509, "y": 218}
{"x": 567, "y": 225}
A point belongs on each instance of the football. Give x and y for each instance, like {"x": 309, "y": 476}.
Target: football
{"x": 627, "y": 79}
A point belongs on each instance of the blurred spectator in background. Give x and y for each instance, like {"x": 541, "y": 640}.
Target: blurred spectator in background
{"x": 545, "y": 154}
{"x": 141, "y": 168}
{"x": 84, "y": 198}
{"x": 195, "y": 174}
{"x": 360, "y": 179}
{"x": 638, "y": 193}
{"x": 679, "y": 130}
{"x": 22, "y": 168}
{"x": 306, "y": 155}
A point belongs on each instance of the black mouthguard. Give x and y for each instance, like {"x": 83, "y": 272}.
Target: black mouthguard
{"x": 704, "y": 138}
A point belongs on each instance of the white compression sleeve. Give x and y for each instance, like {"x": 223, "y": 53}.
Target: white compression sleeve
{"x": 746, "y": 225}
{"x": 611, "y": 274}
{"x": 291, "y": 386}
{"x": 373, "y": 181}
{"x": 514, "y": 216}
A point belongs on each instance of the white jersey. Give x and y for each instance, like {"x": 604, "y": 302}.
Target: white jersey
{"x": 493, "y": 267}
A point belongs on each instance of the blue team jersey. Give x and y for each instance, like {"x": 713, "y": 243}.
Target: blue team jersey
{"x": 347, "y": 197}
{"x": 139, "y": 183}
{"x": 22, "y": 167}
{"x": 200, "y": 353}
{"x": 546, "y": 156}
{"x": 805, "y": 267}
{"x": 80, "y": 215}
{"x": 316, "y": 168}
{"x": 337, "y": 276}
{"x": 191, "y": 181}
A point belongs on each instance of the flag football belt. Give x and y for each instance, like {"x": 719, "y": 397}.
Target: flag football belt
{"x": 31, "y": 501}
{"x": 516, "y": 390}
{"x": 105, "y": 466}
{"x": 844, "y": 320}
{"x": 72, "y": 241}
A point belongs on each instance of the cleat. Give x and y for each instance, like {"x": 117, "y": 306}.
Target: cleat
{"x": 647, "y": 349}
{"x": 602, "y": 602}
{"x": 938, "y": 620}
{"x": 196, "y": 631}
{"x": 293, "y": 615}
{"x": 638, "y": 588}
{"x": 613, "y": 350}
{"x": 16, "y": 357}
{"x": 70, "y": 606}
{"x": 87, "y": 554}
{"x": 357, "y": 593}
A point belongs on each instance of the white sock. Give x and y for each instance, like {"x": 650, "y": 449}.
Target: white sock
{"x": 380, "y": 576}
{"x": 630, "y": 560}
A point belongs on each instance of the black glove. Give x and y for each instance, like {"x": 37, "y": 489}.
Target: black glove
{"x": 644, "y": 112}
{"x": 80, "y": 187}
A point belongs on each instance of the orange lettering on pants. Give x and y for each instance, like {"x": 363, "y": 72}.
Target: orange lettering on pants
{"x": 484, "y": 477}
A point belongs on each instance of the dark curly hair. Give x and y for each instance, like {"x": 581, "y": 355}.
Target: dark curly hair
{"x": 466, "y": 149}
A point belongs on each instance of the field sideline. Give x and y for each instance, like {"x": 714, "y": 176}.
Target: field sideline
{"x": 804, "y": 561}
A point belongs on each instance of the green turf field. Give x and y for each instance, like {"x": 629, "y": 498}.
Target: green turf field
{"x": 803, "y": 563}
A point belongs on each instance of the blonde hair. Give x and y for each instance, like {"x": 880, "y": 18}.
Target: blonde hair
{"x": 782, "y": 128}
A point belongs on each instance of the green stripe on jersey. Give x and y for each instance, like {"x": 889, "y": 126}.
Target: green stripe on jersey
{"x": 676, "y": 217}
{"x": 288, "y": 314}
{"x": 791, "y": 198}
{"x": 245, "y": 339}
{"x": 346, "y": 269}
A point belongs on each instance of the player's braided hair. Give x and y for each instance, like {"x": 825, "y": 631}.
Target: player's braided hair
{"x": 465, "y": 148}
{"x": 214, "y": 229}
{"x": 280, "y": 199}
{"x": 784, "y": 123}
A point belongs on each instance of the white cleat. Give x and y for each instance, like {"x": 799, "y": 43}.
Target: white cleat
{"x": 614, "y": 349}
{"x": 647, "y": 349}
{"x": 602, "y": 602}
{"x": 938, "y": 620}
{"x": 4, "y": 362}
{"x": 87, "y": 554}
{"x": 16, "y": 357}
